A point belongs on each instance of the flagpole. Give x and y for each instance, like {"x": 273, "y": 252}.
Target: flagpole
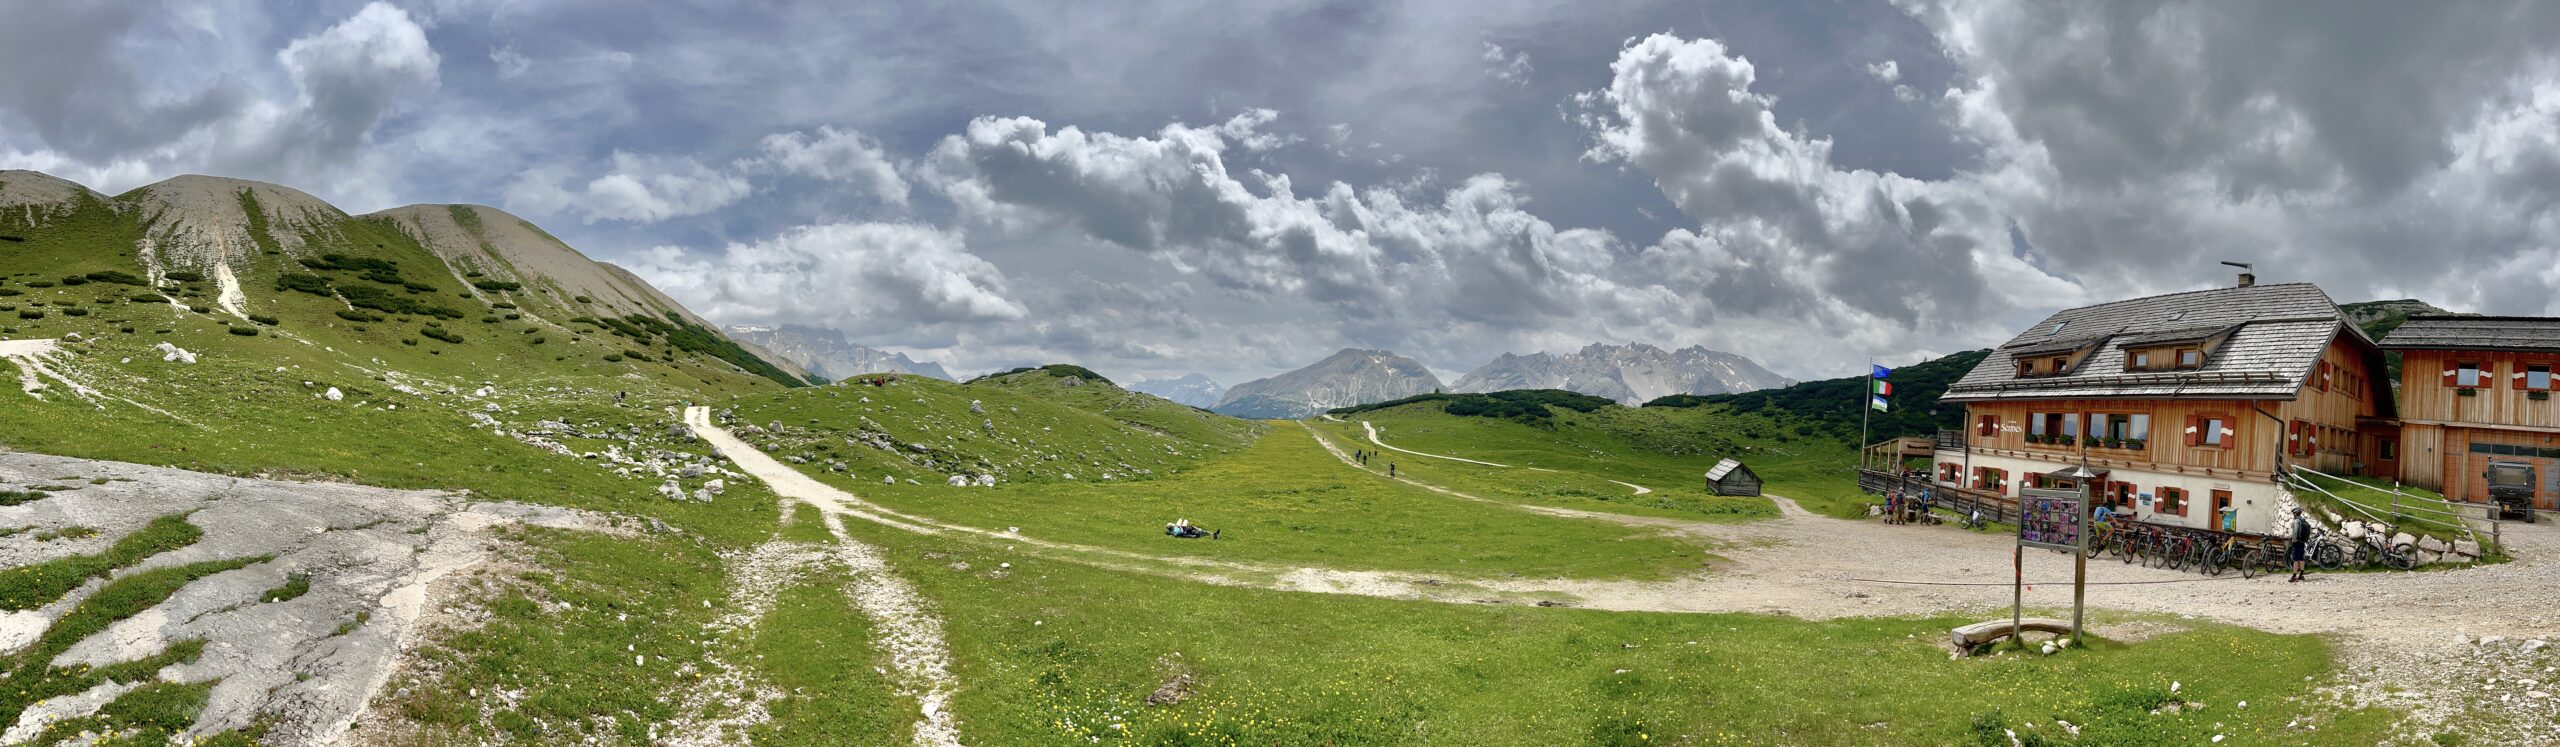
{"x": 1866, "y": 409}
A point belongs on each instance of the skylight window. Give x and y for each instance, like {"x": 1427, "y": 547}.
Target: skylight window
{"x": 2057, "y": 327}
{"x": 2177, "y": 315}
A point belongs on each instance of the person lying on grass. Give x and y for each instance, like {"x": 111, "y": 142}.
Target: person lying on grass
{"x": 1182, "y": 529}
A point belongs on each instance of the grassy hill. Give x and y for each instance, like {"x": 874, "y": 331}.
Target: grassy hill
{"x": 1831, "y": 408}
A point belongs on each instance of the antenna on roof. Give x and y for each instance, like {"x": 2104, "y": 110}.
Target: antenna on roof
{"x": 2247, "y": 278}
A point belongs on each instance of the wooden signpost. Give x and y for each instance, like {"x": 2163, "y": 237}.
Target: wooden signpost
{"x": 2056, "y": 519}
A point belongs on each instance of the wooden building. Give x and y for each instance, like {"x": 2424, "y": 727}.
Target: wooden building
{"x": 2191, "y": 401}
{"x": 1729, "y": 477}
{"x": 2474, "y": 389}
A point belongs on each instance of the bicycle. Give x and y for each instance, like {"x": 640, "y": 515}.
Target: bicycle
{"x": 2326, "y": 550}
{"x": 2171, "y": 549}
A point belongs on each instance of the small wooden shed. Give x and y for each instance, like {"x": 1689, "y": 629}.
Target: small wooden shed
{"x": 1731, "y": 478}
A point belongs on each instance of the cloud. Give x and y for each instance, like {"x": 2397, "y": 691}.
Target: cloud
{"x": 1506, "y": 65}
{"x": 634, "y": 188}
{"x": 1472, "y": 251}
{"x": 511, "y": 63}
{"x": 1887, "y": 71}
{"x": 833, "y": 155}
{"x": 95, "y": 120}
{"x": 856, "y": 277}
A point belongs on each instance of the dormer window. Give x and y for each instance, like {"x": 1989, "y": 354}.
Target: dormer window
{"x": 2140, "y": 359}
{"x": 2190, "y": 358}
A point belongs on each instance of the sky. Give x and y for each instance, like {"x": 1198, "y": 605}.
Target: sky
{"x": 1149, "y": 188}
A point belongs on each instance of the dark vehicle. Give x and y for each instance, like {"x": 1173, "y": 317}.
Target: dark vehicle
{"x": 2511, "y": 487}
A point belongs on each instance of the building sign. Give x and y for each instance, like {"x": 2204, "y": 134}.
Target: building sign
{"x": 2050, "y": 518}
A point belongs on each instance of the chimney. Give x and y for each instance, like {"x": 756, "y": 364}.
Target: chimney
{"x": 2247, "y": 276}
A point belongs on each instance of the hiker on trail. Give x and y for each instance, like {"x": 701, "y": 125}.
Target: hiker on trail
{"x": 1893, "y": 507}
{"x": 2301, "y": 546}
{"x": 1391, "y": 469}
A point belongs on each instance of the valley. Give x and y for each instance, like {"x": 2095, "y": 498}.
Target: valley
{"x": 428, "y": 476}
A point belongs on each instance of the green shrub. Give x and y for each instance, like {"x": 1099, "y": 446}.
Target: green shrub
{"x": 613, "y": 358}
{"x": 149, "y": 298}
{"x": 264, "y": 319}
{"x": 39, "y": 283}
{"x": 116, "y": 277}
{"x": 303, "y": 282}
{"x": 488, "y": 320}
{"x": 30, "y": 314}
{"x": 11, "y": 292}
{"x": 75, "y": 311}
{"x": 502, "y": 305}
{"x": 441, "y": 334}
{"x": 409, "y": 341}
{"x": 635, "y": 355}
{"x": 245, "y": 331}
{"x": 201, "y": 309}
{"x": 581, "y": 299}
{"x": 183, "y": 276}
{"x": 514, "y": 317}
{"x": 354, "y": 315}
{"x": 536, "y": 341}
{"x": 496, "y": 285}
{"x": 73, "y": 280}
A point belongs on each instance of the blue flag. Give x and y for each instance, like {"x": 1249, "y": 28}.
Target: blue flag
{"x": 1876, "y": 402}
{"x": 1882, "y": 372}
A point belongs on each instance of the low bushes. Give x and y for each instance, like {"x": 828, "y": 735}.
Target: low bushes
{"x": 264, "y": 319}
{"x": 440, "y": 333}
{"x": 74, "y": 311}
{"x": 244, "y": 331}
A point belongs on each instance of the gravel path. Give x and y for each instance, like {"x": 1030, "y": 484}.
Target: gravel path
{"x": 911, "y": 636}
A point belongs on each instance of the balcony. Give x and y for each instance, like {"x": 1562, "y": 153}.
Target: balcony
{"x": 1951, "y": 440}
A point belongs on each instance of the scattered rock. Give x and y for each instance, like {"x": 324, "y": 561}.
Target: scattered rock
{"x": 174, "y": 354}
{"x": 333, "y": 395}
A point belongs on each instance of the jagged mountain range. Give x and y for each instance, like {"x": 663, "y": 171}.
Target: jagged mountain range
{"x": 1631, "y": 374}
{"x": 1194, "y": 389}
{"x": 828, "y": 354}
{"x": 1350, "y": 377}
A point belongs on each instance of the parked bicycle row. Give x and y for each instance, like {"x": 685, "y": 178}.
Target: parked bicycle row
{"x": 2215, "y": 552}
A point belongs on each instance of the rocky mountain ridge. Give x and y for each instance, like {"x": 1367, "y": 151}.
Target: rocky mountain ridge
{"x": 1631, "y": 374}
{"x": 1350, "y": 377}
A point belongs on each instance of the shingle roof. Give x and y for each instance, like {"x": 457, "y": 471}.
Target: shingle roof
{"x": 2281, "y": 331}
{"x": 2524, "y": 333}
{"x": 1722, "y": 468}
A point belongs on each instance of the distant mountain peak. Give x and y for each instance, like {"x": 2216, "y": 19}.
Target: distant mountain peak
{"x": 1632, "y": 373}
{"x": 827, "y": 353}
{"x": 1354, "y": 376}
{"x": 1194, "y": 389}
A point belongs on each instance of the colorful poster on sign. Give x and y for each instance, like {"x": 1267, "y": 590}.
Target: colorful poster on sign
{"x": 2049, "y": 519}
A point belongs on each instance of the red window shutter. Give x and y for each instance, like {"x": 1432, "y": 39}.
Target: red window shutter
{"x": 2195, "y": 430}
{"x": 2451, "y": 376}
{"x": 2324, "y": 376}
{"x": 2517, "y": 377}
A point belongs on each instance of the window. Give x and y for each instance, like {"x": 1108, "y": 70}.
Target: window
{"x": 2121, "y": 493}
{"x": 2171, "y": 501}
{"x": 2466, "y": 375}
{"x": 1950, "y": 472}
{"x": 2324, "y": 376}
{"x": 2140, "y": 359}
{"x": 1986, "y": 426}
{"x": 2387, "y": 449}
{"x": 1986, "y": 478}
{"x": 2121, "y": 427}
{"x": 2026, "y": 368}
{"x": 2060, "y": 365}
{"x": 2301, "y": 438}
{"x": 2190, "y": 358}
{"x": 2537, "y": 377}
{"x": 2208, "y": 430}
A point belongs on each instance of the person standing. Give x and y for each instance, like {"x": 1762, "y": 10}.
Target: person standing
{"x": 1391, "y": 469}
{"x": 2301, "y": 547}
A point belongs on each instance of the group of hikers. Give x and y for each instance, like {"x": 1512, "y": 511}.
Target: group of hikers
{"x": 1362, "y": 457}
{"x": 1915, "y": 507}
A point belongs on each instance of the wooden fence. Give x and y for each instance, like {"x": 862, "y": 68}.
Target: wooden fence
{"x": 1963, "y": 501}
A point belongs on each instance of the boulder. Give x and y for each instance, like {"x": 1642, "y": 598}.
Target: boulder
{"x": 977, "y": 408}
{"x": 959, "y": 481}
{"x": 887, "y": 480}
{"x": 174, "y": 354}
{"x": 2433, "y": 545}
{"x": 2403, "y": 538}
{"x": 986, "y": 481}
{"x": 2430, "y": 557}
{"x": 671, "y": 490}
{"x": 691, "y": 471}
{"x": 333, "y": 395}
{"x": 2466, "y": 548}
{"x": 717, "y": 487}
{"x": 774, "y": 426}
